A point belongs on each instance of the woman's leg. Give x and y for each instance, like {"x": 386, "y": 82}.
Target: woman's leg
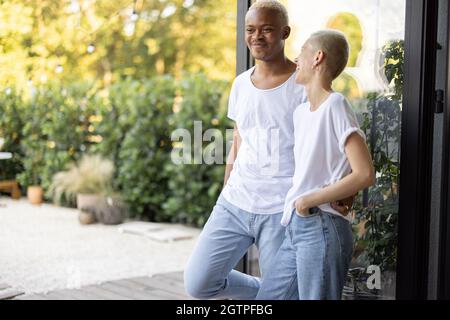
{"x": 310, "y": 241}
{"x": 324, "y": 245}
{"x": 339, "y": 254}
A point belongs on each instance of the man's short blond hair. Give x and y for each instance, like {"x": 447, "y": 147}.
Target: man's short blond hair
{"x": 336, "y": 48}
{"x": 275, "y": 6}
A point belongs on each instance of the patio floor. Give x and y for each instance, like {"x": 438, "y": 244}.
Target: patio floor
{"x": 167, "y": 286}
{"x": 46, "y": 254}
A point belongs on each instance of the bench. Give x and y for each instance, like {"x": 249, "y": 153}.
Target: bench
{"x": 11, "y": 187}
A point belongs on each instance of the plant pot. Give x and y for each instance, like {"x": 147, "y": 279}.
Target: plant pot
{"x": 35, "y": 194}
{"x": 88, "y": 200}
{"x": 86, "y": 217}
{"x": 111, "y": 212}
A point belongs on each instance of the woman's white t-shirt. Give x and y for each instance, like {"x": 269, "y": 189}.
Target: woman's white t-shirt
{"x": 320, "y": 158}
{"x": 262, "y": 172}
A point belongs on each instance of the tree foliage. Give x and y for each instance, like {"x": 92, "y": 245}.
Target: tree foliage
{"x": 49, "y": 39}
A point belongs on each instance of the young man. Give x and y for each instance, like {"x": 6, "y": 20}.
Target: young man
{"x": 260, "y": 165}
{"x": 332, "y": 161}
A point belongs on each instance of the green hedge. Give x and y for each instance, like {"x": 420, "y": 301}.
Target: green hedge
{"x": 146, "y": 148}
{"x": 11, "y": 124}
{"x": 55, "y": 131}
{"x": 130, "y": 123}
{"x": 193, "y": 188}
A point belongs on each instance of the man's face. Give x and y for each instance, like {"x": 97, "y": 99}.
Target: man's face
{"x": 265, "y": 33}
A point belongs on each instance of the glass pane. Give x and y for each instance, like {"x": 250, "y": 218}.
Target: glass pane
{"x": 373, "y": 83}
{"x": 116, "y": 79}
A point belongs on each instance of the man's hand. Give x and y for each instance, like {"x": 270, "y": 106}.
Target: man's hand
{"x": 343, "y": 206}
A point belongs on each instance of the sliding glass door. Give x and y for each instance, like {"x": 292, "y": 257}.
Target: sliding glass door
{"x": 389, "y": 81}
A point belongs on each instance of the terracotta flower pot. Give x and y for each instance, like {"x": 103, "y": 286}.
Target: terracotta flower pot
{"x": 88, "y": 200}
{"x": 35, "y": 194}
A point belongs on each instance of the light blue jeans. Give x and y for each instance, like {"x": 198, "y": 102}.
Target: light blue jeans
{"x": 313, "y": 261}
{"x": 226, "y": 237}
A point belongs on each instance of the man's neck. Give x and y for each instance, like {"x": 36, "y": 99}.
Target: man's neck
{"x": 278, "y": 66}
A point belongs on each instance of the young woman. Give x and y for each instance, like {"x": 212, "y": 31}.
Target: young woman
{"x": 332, "y": 162}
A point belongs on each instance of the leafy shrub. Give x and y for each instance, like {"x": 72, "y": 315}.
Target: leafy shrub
{"x": 56, "y": 131}
{"x": 194, "y": 188}
{"x": 11, "y": 124}
{"x": 146, "y": 147}
{"x": 378, "y": 207}
{"x": 129, "y": 123}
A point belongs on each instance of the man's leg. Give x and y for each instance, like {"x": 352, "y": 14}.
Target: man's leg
{"x": 280, "y": 281}
{"x": 222, "y": 243}
{"x": 268, "y": 239}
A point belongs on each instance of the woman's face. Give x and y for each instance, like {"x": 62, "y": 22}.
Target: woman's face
{"x": 305, "y": 64}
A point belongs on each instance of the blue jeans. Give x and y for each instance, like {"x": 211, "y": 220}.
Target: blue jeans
{"x": 226, "y": 237}
{"x": 313, "y": 261}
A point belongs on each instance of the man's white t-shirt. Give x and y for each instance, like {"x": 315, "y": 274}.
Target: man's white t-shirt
{"x": 320, "y": 158}
{"x": 264, "y": 166}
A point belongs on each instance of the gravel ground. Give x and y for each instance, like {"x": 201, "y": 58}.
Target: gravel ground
{"x": 44, "y": 248}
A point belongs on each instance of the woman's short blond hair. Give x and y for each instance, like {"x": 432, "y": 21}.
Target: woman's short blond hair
{"x": 336, "y": 48}
{"x": 275, "y": 6}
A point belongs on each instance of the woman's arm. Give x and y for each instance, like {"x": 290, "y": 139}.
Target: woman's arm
{"x": 361, "y": 177}
{"x": 233, "y": 154}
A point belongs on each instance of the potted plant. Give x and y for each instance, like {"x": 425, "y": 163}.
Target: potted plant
{"x": 86, "y": 183}
{"x": 33, "y": 151}
{"x": 377, "y": 209}
{"x": 33, "y": 163}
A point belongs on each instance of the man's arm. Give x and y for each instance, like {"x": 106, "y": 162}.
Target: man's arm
{"x": 233, "y": 154}
{"x": 344, "y": 206}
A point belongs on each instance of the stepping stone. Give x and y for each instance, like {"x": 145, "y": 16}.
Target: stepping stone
{"x": 138, "y": 227}
{"x": 169, "y": 235}
{"x": 155, "y": 231}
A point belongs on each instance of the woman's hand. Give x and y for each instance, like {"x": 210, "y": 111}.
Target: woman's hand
{"x": 302, "y": 207}
{"x": 303, "y": 204}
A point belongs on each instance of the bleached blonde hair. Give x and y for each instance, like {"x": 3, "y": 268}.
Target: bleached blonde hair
{"x": 336, "y": 48}
{"x": 275, "y": 6}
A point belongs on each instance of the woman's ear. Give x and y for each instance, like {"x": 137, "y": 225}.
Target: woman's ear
{"x": 319, "y": 57}
{"x": 286, "y": 32}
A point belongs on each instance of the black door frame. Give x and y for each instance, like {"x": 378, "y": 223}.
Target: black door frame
{"x": 443, "y": 284}
{"x": 416, "y": 146}
{"x": 244, "y": 62}
{"x": 244, "y": 59}
{"x": 416, "y": 149}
